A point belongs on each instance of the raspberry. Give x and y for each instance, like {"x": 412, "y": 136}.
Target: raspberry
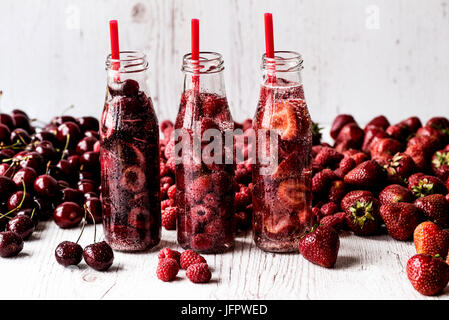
{"x": 171, "y": 192}
{"x": 202, "y": 242}
{"x": 210, "y": 200}
{"x": 243, "y": 198}
{"x": 199, "y": 273}
{"x": 167, "y": 203}
{"x": 169, "y": 218}
{"x": 201, "y": 214}
{"x": 190, "y": 257}
{"x": 171, "y": 165}
{"x": 163, "y": 171}
{"x": 169, "y": 253}
{"x": 167, "y": 269}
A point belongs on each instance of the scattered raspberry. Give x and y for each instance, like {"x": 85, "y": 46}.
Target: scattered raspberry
{"x": 199, "y": 273}
{"x": 169, "y": 218}
{"x": 169, "y": 253}
{"x": 167, "y": 269}
{"x": 190, "y": 257}
{"x": 171, "y": 192}
{"x": 167, "y": 203}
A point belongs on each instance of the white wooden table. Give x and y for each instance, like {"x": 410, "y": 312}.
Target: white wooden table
{"x": 367, "y": 268}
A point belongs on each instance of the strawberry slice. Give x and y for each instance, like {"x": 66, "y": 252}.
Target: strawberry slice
{"x": 292, "y": 192}
{"x": 281, "y": 227}
{"x": 285, "y": 118}
{"x": 288, "y": 168}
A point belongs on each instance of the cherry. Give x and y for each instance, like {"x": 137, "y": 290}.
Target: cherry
{"x": 88, "y": 123}
{"x": 88, "y": 176}
{"x": 74, "y": 162}
{"x": 6, "y": 120}
{"x": 85, "y": 186}
{"x": 128, "y": 88}
{"x": 46, "y": 150}
{"x": 6, "y": 170}
{"x": 86, "y": 144}
{"x": 92, "y": 134}
{"x": 99, "y": 256}
{"x": 21, "y": 121}
{"x": 68, "y": 215}
{"x": 55, "y": 172}
{"x": 18, "y": 111}
{"x": 5, "y": 134}
{"x": 67, "y": 169}
{"x": 8, "y": 152}
{"x": 94, "y": 206}
{"x": 20, "y": 137}
{"x": 63, "y": 184}
{"x": 44, "y": 208}
{"x": 30, "y": 159}
{"x": 22, "y": 225}
{"x": 69, "y": 253}
{"x": 30, "y": 213}
{"x": 69, "y": 131}
{"x": 62, "y": 119}
{"x": 45, "y": 136}
{"x": 10, "y": 244}
{"x": 46, "y": 186}
{"x": 19, "y": 200}
{"x": 72, "y": 195}
{"x": 90, "y": 195}
{"x": 7, "y": 187}
{"x": 28, "y": 175}
{"x": 90, "y": 160}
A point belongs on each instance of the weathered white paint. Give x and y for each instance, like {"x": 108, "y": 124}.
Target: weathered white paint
{"x": 361, "y": 56}
{"x": 367, "y": 268}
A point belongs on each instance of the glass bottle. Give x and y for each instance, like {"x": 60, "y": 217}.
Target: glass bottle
{"x": 129, "y": 156}
{"x": 282, "y": 174}
{"x": 204, "y": 161}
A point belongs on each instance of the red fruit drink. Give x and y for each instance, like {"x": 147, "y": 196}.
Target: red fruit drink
{"x": 204, "y": 176}
{"x": 282, "y": 175}
{"x": 129, "y": 156}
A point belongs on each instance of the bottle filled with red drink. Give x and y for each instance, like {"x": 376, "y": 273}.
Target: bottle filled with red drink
{"x": 282, "y": 174}
{"x": 204, "y": 158}
{"x": 129, "y": 156}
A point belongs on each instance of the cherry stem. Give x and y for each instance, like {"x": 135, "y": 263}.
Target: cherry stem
{"x": 93, "y": 220}
{"x": 66, "y": 146}
{"x": 20, "y": 204}
{"x": 67, "y": 109}
{"x": 32, "y": 213}
{"x": 48, "y": 167}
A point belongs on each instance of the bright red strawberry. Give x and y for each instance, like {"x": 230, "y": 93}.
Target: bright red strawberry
{"x": 442, "y": 125}
{"x": 320, "y": 246}
{"x": 352, "y": 134}
{"x": 362, "y": 212}
{"x": 337, "y": 191}
{"x": 367, "y": 174}
{"x": 167, "y": 269}
{"x": 357, "y": 155}
{"x": 440, "y": 164}
{"x": 435, "y": 207}
{"x": 385, "y": 146}
{"x": 419, "y": 157}
{"x": 340, "y": 121}
{"x": 190, "y": 257}
{"x": 395, "y": 193}
{"x": 400, "y": 219}
{"x": 169, "y": 216}
{"x": 428, "y": 275}
{"x": 199, "y": 273}
{"x": 372, "y": 134}
{"x": 346, "y": 165}
{"x": 433, "y": 133}
{"x": 413, "y": 123}
{"x": 399, "y": 131}
{"x": 423, "y": 185}
{"x": 328, "y": 158}
{"x": 336, "y": 221}
{"x": 328, "y": 209}
{"x": 429, "y": 144}
{"x": 169, "y": 253}
{"x": 379, "y": 122}
{"x": 431, "y": 239}
{"x": 399, "y": 168}
{"x": 322, "y": 180}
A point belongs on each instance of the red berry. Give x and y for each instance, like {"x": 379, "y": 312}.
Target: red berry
{"x": 169, "y": 253}
{"x": 190, "y": 257}
{"x": 169, "y": 218}
{"x": 167, "y": 269}
{"x": 199, "y": 273}
{"x": 171, "y": 192}
{"x": 428, "y": 275}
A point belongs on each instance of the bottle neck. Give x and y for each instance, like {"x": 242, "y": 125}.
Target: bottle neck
{"x": 282, "y": 70}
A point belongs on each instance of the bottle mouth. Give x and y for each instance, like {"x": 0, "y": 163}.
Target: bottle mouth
{"x": 130, "y": 61}
{"x": 283, "y": 61}
{"x": 209, "y": 62}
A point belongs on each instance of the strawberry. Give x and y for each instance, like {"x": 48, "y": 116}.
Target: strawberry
{"x": 413, "y": 123}
{"x": 336, "y": 221}
{"x": 372, "y": 134}
{"x": 320, "y": 246}
{"x": 431, "y": 239}
{"x": 199, "y": 273}
{"x": 429, "y": 144}
{"x": 442, "y": 125}
{"x": 435, "y": 207}
{"x": 385, "y": 146}
{"x": 399, "y": 131}
{"x": 328, "y": 157}
{"x": 322, "y": 180}
{"x": 340, "y": 121}
{"x": 358, "y": 156}
{"x": 428, "y": 275}
{"x": 400, "y": 218}
{"x": 395, "y": 193}
{"x": 362, "y": 212}
{"x": 285, "y": 119}
{"x": 337, "y": 191}
{"x": 352, "y": 134}
{"x": 440, "y": 164}
{"x": 328, "y": 209}
{"x": 379, "y": 122}
{"x": 419, "y": 157}
{"x": 346, "y": 165}
{"x": 167, "y": 269}
{"x": 433, "y": 133}
{"x": 423, "y": 185}
{"x": 366, "y": 175}
{"x": 399, "y": 167}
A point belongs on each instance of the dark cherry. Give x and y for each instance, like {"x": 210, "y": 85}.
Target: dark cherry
{"x": 89, "y": 176}
{"x": 72, "y": 195}
{"x": 86, "y": 144}
{"x": 62, "y": 119}
{"x": 46, "y": 150}
{"x": 20, "y": 137}
{"x": 74, "y": 161}
{"x": 22, "y": 225}
{"x": 31, "y": 159}
{"x": 6, "y": 170}
{"x": 6, "y": 119}
{"x": 8, "y": 152}
{"x": 63, "y": 184}
{"x": 18, "y": 111}
{"x": 99, "y": 256}
{"x": 10, "y": 244}
{"x": 68, "y": 215}
{"x": 85, "y": 187}
{"x": 88, "y": 123}
{"x": 69, "y": 253}
{"x": 44, "y": 208}
{"x": 34, "y": 216}
{"x": 128, "y": 88}
{"x": 92, "y": 134}
{"x": 7, "y": 187}
{"x": 94, "y": 207}
{"x": 5, "y": 134}
{"x": 28, "y": 175}
{"x": 90, "y": 195}
{"x": 46, "y": 186}
{"x": 21, "y": 121}
{"x": 45, "y": 136}
{"x": 69, "y": 128}
{"x": 90, "y": 160}
{"x": 16, "y": 198}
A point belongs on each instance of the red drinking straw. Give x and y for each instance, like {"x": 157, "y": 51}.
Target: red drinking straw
{"x": 269, "y": 46}
{"x": 196, "y": 51}
{"x": 115, "y": 49}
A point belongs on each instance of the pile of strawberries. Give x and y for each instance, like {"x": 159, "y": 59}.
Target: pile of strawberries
{"x": 395, "y": 176}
